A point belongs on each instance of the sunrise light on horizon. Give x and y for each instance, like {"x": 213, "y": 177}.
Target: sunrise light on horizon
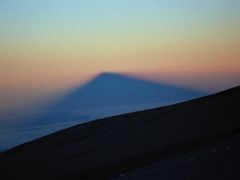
{"x": 57, "y": 44}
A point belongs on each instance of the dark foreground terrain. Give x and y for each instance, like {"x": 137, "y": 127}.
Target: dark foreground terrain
{"x": 198, "y": 139}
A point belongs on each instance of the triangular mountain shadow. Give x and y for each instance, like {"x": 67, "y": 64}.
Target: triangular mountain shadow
{"x": 110, "y": 92}
{"x": 106, "y": 95}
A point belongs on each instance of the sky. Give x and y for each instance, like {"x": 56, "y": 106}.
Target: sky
{"x": 47, "y": 46}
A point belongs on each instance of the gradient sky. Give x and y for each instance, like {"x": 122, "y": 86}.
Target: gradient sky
{"x": 54, "y": 44}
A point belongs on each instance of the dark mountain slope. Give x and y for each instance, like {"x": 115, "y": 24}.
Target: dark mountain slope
{"x": 107, "y": 147}
{"x": 215, "y": 160}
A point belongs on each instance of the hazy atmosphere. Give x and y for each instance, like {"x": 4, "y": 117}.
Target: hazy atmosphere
{"x": 49, "y": 47}
{"x": 120, "y": 89}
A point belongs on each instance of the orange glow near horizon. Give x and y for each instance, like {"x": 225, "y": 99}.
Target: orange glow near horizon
{"x": 50, "y": 47}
